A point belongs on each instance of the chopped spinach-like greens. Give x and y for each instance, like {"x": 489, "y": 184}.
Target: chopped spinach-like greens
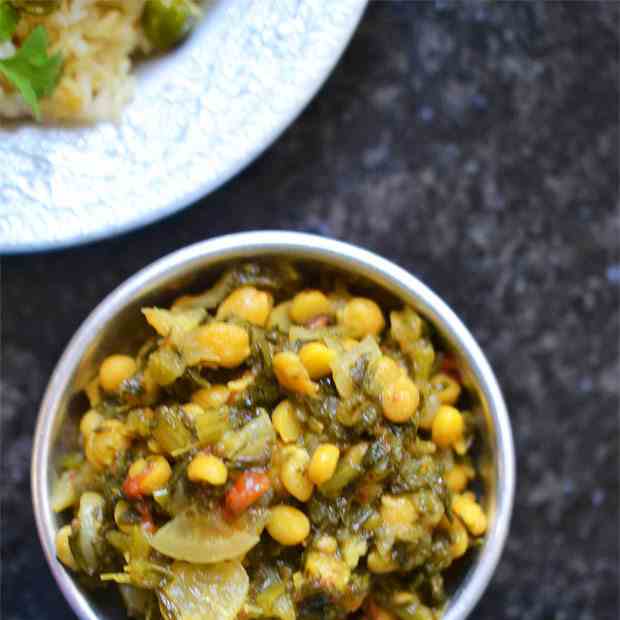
{"x": 276, "y": 450}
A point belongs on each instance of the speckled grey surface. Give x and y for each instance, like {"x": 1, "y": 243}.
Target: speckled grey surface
{"x": 477, "y": 146}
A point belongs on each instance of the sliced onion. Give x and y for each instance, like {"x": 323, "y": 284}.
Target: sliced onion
{"x": 215, "y": 592}
{"x": 203, "y": 538}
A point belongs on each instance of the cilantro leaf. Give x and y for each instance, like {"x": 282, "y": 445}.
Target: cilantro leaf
{"x": 8, "y": 21}
{"x": 32, "y": 71}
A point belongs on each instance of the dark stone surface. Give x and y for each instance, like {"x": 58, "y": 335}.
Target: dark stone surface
{"x": 477, "y": 146}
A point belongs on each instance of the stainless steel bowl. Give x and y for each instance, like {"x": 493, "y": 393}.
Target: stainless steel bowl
{"x": 114, "y": 324}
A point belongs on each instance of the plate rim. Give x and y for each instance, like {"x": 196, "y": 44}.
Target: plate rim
{"x": 192, "y": 197}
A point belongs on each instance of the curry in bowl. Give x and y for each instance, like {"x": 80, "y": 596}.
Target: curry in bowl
{"x": 280, "y": 447}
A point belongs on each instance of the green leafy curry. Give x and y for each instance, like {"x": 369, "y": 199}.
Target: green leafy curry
{"x": 274, "y": 451}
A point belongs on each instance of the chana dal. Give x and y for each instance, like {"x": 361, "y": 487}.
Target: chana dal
{"x": 275, "y": 449}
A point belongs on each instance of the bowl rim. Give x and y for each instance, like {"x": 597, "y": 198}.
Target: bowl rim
{"x": 305, "y": 246}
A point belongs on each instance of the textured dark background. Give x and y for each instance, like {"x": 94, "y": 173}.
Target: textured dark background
{"x": 477, "y": 146}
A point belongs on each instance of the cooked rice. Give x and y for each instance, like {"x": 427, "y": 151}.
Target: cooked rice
{"x": 96, "y": 39}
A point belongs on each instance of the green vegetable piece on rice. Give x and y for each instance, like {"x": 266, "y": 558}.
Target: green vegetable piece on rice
{"x": 8, "y": 21}
{"x": 167, "y": 22}
{"x": 32, "y": 71}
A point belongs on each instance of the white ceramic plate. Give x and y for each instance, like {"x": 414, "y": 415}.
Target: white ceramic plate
{"x": 198, "y": 117}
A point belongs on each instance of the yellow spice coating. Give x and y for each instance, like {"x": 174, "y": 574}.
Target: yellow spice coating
{"x": 107, "y": 441}
{"x": 193, "y": 410}
{"x": 114, "y": 370}
{"x": 120, "y": 511}
{"x": 292, "y": 374}
{"x": 307, "y": 305}
{"x": 287, "y": 525}
{"x": 380, "y": 565}
{"x": 448, "y": 426}
{"x": 211, "y": 397}
{"x": 386, "y": 371}
{"x": 293, "y": 473}
{"x": 207, "y": 468}
{"x": 400, "y": 400}
{"x": 285, "y": 422}
{"x": 362, "y": 317}
{"x": 247, "y": 303}
{"x": 63, "y": 550}
{"x": 90, "y": 422}
{"x": 460, "y": 539}
{"x": 397, "y": 510}
{"x": 471, "y": 513}
{"x": 458, "y": 477}
{"x": 317, "y": 357}
{"x": 152, "y": 473}
{"x": 227, "y": 345}
{"x": 446, "y": 388}
{"x": 323, "y": 463}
